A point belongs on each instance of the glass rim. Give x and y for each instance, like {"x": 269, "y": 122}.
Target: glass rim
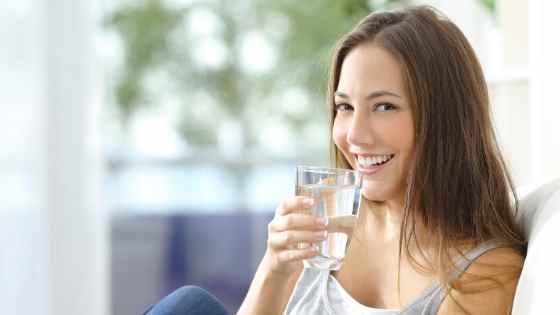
{"x": 328, "y": 169}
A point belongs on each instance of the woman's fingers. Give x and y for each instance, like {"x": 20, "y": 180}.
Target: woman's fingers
{"x": 295, "y": 204}
{"x": 297, "y": 254}
{"x": 292, "y": 233}
{"x": 296, "y": 221}
{"x": 284, "y": 240}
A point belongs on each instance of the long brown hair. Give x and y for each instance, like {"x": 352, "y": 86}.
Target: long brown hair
{"x": 459, "y": 187}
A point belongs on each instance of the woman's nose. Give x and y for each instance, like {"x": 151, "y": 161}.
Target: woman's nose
{"x": 359, "y": 131}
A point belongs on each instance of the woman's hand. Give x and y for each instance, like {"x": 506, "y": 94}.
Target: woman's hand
{"x": 293, "y": 225}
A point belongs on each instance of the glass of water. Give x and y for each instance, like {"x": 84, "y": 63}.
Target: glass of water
{"x": 336, "y": 193}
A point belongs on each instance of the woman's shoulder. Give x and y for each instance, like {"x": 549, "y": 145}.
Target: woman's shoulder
{"x": 498, "y": 257}
{"x": 500, "y": 266}
{"x": 495, "y": 260}
{"x": 492, "y": 276}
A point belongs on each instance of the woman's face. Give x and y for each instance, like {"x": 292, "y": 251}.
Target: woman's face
{"x": 373, "y": 126}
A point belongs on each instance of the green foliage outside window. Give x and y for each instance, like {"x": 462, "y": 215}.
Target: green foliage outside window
{"x": 300, "y": 34}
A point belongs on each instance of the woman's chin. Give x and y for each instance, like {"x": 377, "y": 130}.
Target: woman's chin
{"x": 373, "y": 195}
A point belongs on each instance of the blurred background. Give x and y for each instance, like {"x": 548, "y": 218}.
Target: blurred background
{"x": 145, "y": 144}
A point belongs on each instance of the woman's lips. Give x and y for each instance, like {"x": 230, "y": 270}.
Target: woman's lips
{"x": 370, "y": 170}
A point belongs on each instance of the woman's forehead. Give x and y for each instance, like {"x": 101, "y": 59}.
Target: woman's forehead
{"x": 370, "y": 67}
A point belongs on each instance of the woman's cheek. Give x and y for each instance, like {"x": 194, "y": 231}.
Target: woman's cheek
{"x": 338, "y": 137}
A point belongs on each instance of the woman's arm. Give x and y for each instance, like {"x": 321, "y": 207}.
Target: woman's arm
{"x": 283, "y": 260}
{"x": 487, "y": 287}
{"x": 269, "y": 292}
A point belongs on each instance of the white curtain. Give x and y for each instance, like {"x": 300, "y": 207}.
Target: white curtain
{"x": 53, "y": 232}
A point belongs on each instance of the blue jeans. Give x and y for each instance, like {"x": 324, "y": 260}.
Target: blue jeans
{"x": 188, "y": 300}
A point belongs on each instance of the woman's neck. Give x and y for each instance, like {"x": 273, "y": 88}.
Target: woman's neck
{"x": 383, "y": 221}
{"x": 380, "y": 219}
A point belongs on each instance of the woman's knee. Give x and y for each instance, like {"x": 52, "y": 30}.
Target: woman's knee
{"x": 191, "y": 300}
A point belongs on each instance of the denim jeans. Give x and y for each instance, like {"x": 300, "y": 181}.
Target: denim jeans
{"x": 188, "y": 300}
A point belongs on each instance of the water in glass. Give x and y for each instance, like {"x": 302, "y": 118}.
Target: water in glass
{"x": 340, "y": 203}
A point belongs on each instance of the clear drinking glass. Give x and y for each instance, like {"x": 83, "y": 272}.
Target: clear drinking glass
{"x": 336, "y": 193}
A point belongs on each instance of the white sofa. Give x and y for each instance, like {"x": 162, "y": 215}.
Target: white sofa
{"x": 538, "y": 291}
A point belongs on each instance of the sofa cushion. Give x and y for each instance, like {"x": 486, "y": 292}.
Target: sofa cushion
{"x": 539, "y": 217}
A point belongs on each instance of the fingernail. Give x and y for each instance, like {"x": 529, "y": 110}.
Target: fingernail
{"x": 308, "y": 202}
{"x": 322, "y": 221}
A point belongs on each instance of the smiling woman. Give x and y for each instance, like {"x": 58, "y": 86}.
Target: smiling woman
{"x": 407, "y": 87}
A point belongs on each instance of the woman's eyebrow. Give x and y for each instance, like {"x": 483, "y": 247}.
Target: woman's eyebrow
{"x": 370, "y": 95}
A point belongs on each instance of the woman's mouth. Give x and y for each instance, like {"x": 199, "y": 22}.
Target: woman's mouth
{"x": 369, "y": 164}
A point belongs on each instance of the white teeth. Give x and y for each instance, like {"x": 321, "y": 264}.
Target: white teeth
{"x": 378, "y": 159}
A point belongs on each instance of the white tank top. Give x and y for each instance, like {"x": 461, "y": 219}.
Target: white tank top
{"x": 318, "y": 292}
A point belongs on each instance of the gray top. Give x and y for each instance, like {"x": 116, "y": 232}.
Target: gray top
{"x": 318, "y": 292}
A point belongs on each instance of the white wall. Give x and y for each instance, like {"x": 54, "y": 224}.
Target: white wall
{"x": 544, "y": 67}
{"x": 22, "y": 258}
{"x": 77, "y": 231}
{"x": 509, "y": 89}
{"x": 53, "y": 232}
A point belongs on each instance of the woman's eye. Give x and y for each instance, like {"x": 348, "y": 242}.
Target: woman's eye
{"x": 384, "y": 107}
{"x": 343, "y": 107}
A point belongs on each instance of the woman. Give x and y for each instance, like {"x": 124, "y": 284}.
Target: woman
{"x": 436, "y": 234}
